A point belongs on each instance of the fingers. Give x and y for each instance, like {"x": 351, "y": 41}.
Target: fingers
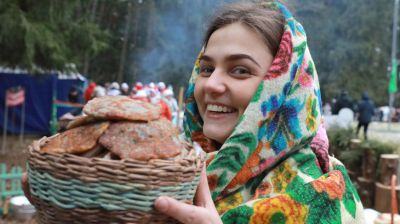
{"x": 180, "y": 211}
{"x": 25, "y": 186}
{"x": 203, "y": 195}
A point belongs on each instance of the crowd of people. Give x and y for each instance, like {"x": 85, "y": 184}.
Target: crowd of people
{"x": 364, "y": 110}
{"x": 155, "y": 93}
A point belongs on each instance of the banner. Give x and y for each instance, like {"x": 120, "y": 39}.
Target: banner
{"x": 393, "y": 78}
{"x": 15, "y": 96}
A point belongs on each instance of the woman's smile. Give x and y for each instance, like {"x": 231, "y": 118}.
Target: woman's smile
{"x": 218, "y": 111}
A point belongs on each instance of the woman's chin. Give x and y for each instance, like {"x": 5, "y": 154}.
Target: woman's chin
{"x": 217, "y": 133}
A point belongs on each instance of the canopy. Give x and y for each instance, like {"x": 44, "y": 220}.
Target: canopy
{"x": 39, "y": 93}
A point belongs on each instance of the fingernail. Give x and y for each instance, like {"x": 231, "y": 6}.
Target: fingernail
{"x": 162, "y": 204}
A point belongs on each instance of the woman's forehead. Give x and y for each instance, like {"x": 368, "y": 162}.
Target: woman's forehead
{"x": 235, "y": 39}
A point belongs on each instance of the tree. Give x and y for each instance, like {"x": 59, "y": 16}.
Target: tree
{"x": 350, "y": 42}
{"x": 48, "y": 34}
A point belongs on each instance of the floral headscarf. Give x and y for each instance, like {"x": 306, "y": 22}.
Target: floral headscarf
{"x": 266, "y": 171}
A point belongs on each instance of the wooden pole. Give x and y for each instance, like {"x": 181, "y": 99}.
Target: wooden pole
{"x": 394, "y": 198}
{"x": 180, "y": 102}
{"x": 21, "y": 134}
{"x": 3, "y": 145}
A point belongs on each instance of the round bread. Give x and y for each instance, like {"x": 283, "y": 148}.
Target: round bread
{"x": 122, "y": 108}
{"x": 81, "y": 120}
{"x": 76, "y": 140}
{"x": 142, "y": 140}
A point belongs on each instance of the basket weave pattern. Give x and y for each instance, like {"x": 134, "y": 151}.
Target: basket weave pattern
{"x": 71, "y": 189}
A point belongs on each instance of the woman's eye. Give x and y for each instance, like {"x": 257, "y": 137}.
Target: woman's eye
{"x": 206, "y": 70}
{"x": 240, "y": 71}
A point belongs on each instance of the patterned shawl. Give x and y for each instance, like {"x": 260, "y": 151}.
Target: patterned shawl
{"x": 266, "y": 171}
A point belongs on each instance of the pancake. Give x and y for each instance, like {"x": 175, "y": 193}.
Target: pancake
{"x": 142, "y": 140}
{"x": 121, "y": 108}
{"x": 77, "y": 140}
{"x": 81, "y": 120}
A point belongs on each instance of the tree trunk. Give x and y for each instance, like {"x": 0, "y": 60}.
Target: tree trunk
{"x": 366, "y": 190}
{"x": 86, "y": 57}
{"x": 383, "y": 197}
{"x": 134, "y": 39}
{"x": 369, "y": 164}
{"x": 124, "y": 44}
{"x": 388, "y": 165}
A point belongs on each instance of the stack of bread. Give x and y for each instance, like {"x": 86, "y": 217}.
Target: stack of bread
{"x": 117, "y": 127}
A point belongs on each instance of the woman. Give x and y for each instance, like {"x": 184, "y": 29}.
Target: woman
{"x": 253, "y": 103}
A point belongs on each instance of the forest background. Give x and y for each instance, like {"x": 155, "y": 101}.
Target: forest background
{"x": 156, "y": 40}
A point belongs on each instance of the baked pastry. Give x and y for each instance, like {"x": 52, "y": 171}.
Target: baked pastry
{"x": 77, "y": 140}
{"x": 81, "y": 120}
{"x": 142, "y": 140}
{"x": 117, "y": 127}
{"x": 121, "y": 108}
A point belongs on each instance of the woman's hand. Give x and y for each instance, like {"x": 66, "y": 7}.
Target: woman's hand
{"x": 203, "y": 212}
{"x": 25, "y": 186}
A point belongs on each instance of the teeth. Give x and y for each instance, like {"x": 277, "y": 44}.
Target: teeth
{"x": 217, "y": 108}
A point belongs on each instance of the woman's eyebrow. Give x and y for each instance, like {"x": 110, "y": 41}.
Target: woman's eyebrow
{"x": 241, "y": 56}
{"x": 231, "y": 57}
{"x": 205, "y": 58}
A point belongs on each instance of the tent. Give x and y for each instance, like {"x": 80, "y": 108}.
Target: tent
{"x": 40, "y": 92}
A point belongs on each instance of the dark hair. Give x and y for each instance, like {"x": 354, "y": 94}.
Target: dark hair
{"x": 264, "y": 19}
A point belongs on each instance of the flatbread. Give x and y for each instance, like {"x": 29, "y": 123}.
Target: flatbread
{"x": 76, "y": 140}
{"x": 81, "y": 120}
{"x": 122, "y": 108}
{"x": 141, "y": 140}
{"x": 98, "y": 151}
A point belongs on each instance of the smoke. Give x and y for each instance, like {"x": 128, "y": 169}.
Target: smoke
{"x": 170, "y": 38}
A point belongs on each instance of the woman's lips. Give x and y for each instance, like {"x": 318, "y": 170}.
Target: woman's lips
{"x": 216, "y": 115}
{"x": 219, "y": 111}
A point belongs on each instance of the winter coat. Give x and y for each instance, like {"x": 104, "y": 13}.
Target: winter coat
{"x": 365, "y": 109}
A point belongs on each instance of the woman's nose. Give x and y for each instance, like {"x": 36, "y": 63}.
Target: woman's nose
{"x": 215, "y": 84}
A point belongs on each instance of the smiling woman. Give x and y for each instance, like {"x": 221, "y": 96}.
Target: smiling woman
{"x": 253, "y": 103}
{"x": 236, "y": 58}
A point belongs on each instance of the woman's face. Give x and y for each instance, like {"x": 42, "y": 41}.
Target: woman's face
{"x": 233, "y": 65}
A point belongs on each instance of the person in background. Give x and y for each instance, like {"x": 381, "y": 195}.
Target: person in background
{"x": 344, "y": 101}
{"x": 168, "y": 96}
{"x": 152, "y": 86}
{"x": 136, "y": 87}
{"x": 327, "y": 109}
{"x": 114, "y": 89}
{"x": 125, "y": 89}
{"x": 88, "y": 95}
{"x": 253, "y": 104}
{"x": 366, "y": 110}
{"x": 155, "y": 99}
{"x": 169, "y": 99}
{"x": 73, "y": 95}
{"x": 100, "y": 91}
{"x": 161, "y": 87}
{"x": 140, "y": 95}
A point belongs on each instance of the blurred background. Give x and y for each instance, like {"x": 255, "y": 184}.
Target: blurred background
{"x": 145, "y": 40}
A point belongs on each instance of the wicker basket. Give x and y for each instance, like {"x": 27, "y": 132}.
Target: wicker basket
{"x": 70, "y": 189}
